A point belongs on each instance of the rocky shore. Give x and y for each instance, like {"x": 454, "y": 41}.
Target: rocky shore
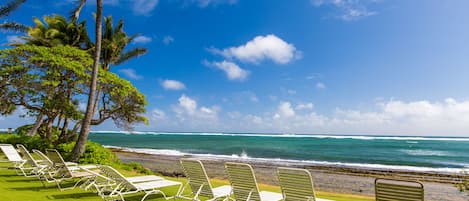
{"x": 337, "y": 179}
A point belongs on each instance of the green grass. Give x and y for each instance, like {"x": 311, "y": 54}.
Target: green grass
{"x": 20, "y": 188}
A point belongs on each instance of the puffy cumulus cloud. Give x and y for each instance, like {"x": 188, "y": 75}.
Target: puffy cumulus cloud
{"x": 269, "y": 47}
{"x": 188, "y": 110}
{"x": 173, "y": 85}
{"x": 131, "y": 74}
{"x": 284, "y": 110}
{"x": 348, "y": 10}
{"x": 142, "y": 40}
{"x": 448, "y": 117}
{"x": 143, "y": 7}
{"x": 232, "y": 70}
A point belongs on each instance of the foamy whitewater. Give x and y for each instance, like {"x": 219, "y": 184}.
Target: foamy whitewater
{"x": 429, "y": 154}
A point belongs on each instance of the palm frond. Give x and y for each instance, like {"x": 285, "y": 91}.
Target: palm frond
{"x": 5, "y": 10}
{"x": 130, "y": 54}
{"x": 13, "y": 26}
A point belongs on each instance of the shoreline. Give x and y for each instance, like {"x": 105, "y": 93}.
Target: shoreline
{"x": 334, "y": 179}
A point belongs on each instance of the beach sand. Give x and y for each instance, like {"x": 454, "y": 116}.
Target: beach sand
{"x": 333, "y": 179}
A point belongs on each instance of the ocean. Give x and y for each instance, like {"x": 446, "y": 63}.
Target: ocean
{"x": 441, "y": 154}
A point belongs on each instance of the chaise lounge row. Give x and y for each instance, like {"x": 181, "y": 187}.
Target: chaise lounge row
{"x": 109, "y": 184}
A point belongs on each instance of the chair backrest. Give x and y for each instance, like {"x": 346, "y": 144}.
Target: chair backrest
{"x": 398, "y": 190}
{"x": 59, "y": 163}
{"x": 197, "y": 177}
{"x": 118, "y": 178}
{"x": 296, "y": 184}
{"x": 11, "y": 153}
{"x": 243, "y": 181}
{"x": 44, "y": 158}
{"x": 27, "y": 156}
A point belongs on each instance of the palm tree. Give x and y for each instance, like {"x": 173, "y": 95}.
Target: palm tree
{"x": 5, "y": 10}
{"x": 79, "y": 148}
{"x": 58, "y": 31}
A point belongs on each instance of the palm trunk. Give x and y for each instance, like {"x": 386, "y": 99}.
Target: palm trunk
{"x": 79, "y": 148}
{"x": 36, "y": 126}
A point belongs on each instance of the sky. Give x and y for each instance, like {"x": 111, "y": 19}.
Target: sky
{"x": 366, "y": 67}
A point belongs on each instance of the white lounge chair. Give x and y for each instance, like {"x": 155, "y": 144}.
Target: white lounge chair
{"x": 297, "y": 185}
{"x": 35, "y": 168}
{"x": 396, "y": 190}
{"x": 244, "y": 184}
{"x": 13, "y": 156}
{"x": 199, "y": 182}
{"x": 64, "y": 172}
{"x": 125, "y": 186}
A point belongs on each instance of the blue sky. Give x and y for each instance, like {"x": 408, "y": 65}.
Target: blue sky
{"x": 306, "y": 66}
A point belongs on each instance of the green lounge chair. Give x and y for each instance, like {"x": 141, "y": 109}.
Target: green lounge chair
{"x": 199, "y": 182}
{"x": 244, "y": 184}
{"x": 125, "y": 186}
{"x": 297, "y": 185}
{"x": 398, "y": 190}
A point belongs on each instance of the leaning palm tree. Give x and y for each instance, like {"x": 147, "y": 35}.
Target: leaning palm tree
{"x": 113, "y": 52}
{"x": 79, "y": 148}
{"x": 5, "y": 10}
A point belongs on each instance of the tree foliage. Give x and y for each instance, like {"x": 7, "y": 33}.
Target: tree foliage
{"x": 53, "y": 81}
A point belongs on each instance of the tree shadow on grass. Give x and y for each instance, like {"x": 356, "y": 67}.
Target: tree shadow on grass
{"x": 72, "y": 195}
{"x": 34, "y": 188}
{"x": 21, "y": 180}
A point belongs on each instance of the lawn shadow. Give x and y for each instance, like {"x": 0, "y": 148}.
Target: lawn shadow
{"x": 72, "y": 195}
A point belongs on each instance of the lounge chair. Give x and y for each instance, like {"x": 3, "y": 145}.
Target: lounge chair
{"x": 35, "y": 168}
{"x": 396, "y": 190}
{"x": 125, "y": 186}
{"x": 244, "y": 184}
{"x": 198, "y": 181}
{"x": 12, "y": 155}
{"x": 63, "y": 172}
{"x": 297, "y": 185}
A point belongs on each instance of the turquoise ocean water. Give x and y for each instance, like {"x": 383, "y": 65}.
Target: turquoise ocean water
{"x": 412, "y": 153}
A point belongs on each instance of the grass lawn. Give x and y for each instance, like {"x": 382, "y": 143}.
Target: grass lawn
{"x": 20, "y": 188}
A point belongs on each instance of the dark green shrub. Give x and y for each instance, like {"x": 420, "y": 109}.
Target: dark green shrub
{"x": 34, "y": 142}
{"x": 94, "y": 154}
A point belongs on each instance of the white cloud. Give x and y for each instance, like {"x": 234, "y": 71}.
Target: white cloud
{"x": 143, "y": 7}
{"x": 168, "y": 40}
{"x": 142, "y": 40}
{"x": 206, "y": 3}
{"x": 187, "y": 109}
{"x": 304, "y": 106}
{"x": 348, "y": 10}
{"x": 131, "y": 74}
{"x": 320, "y": 85}
{"x": 291, "y": 91}
{"x": 284, "y": 110}
{"x": 232, "y": 70}
{"x": 172, "y": 85}
{"x": 269, "y": 47}
{"x": 157, "y": 114}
